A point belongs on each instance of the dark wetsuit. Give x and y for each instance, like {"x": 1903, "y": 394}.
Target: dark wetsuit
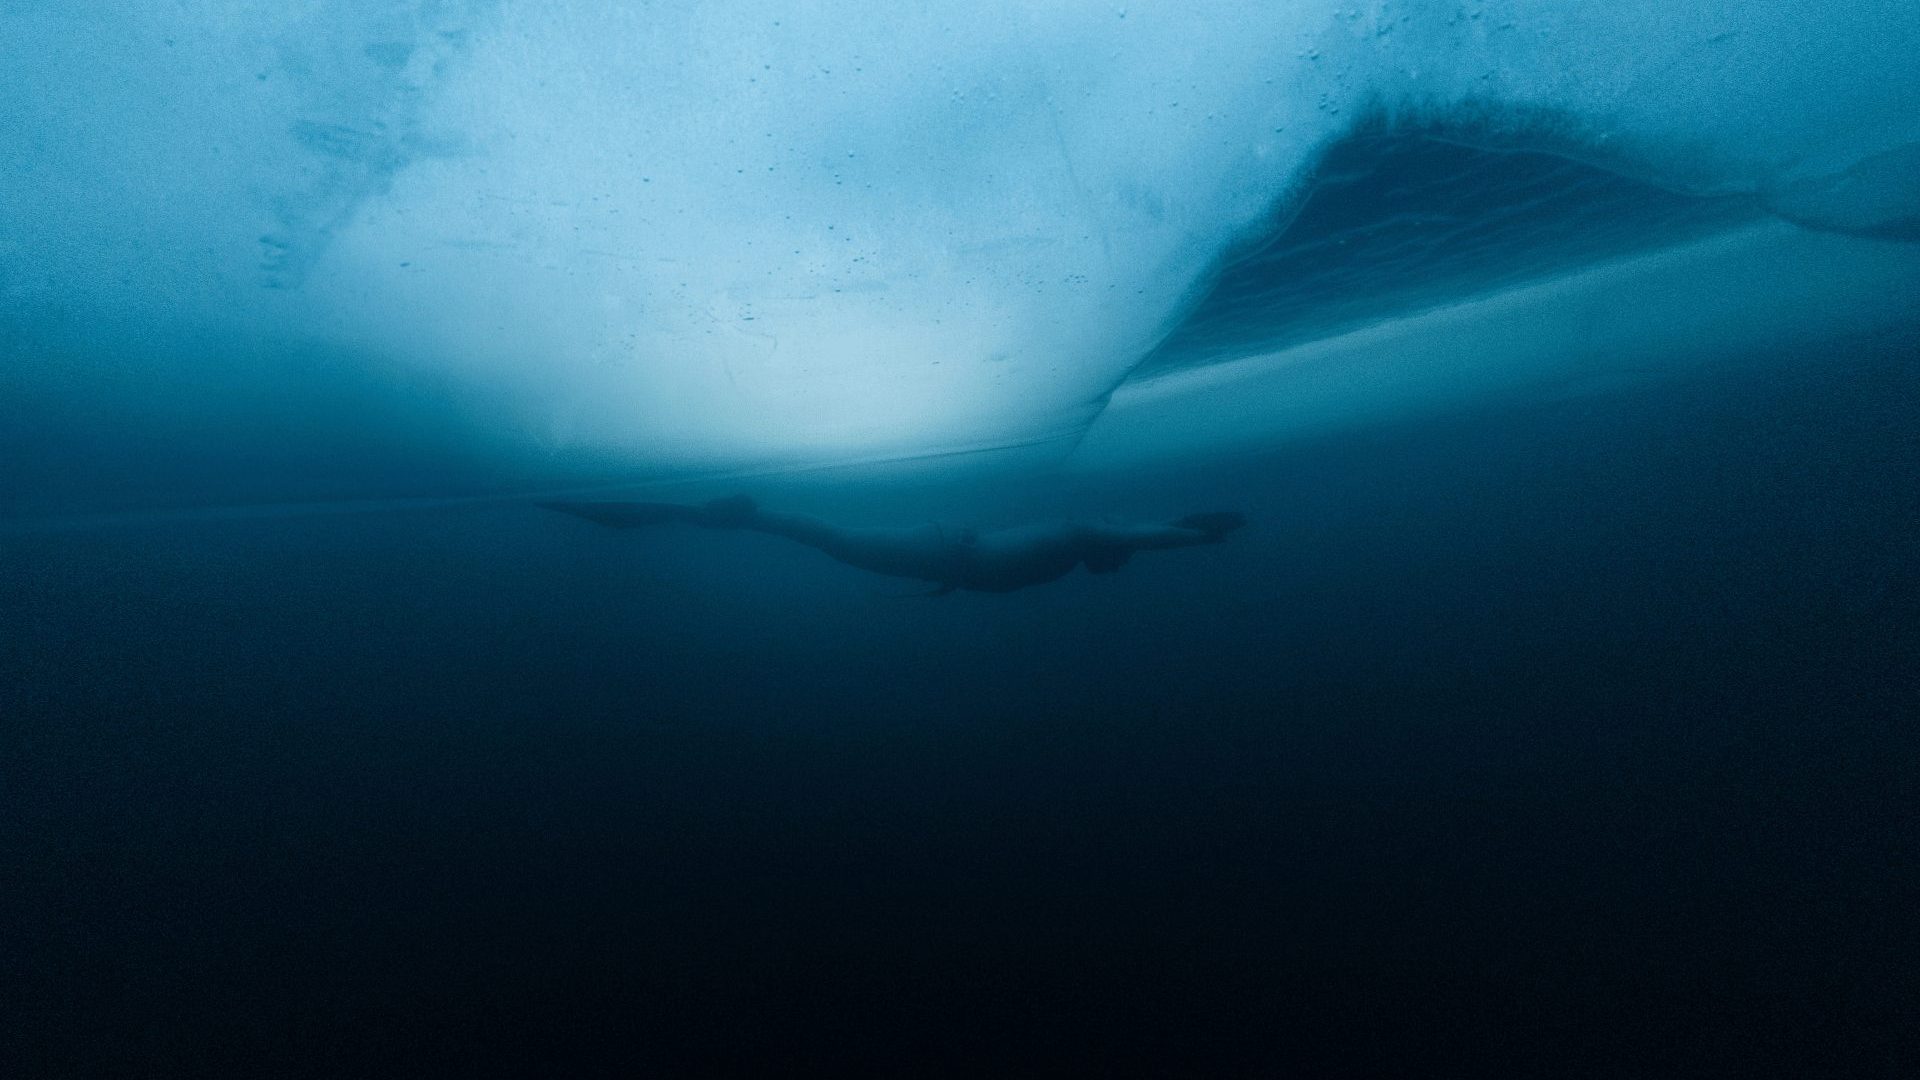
{"x": 998, "y": 560}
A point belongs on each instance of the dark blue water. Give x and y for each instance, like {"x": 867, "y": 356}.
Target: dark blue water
{"x": 1556, "y": 714}
{"x": 1573, "y": 739}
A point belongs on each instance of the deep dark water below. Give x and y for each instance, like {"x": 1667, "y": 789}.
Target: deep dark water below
{"x": 1577, "y": 740}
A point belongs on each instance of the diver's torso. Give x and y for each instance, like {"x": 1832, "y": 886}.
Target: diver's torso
{"x": 1008, "y": 559}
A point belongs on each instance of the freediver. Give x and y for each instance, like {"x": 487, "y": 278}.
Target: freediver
{"x": 997, "y": 560}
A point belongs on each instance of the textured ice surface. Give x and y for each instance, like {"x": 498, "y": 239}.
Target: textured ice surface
{"x": 701, "y": 235}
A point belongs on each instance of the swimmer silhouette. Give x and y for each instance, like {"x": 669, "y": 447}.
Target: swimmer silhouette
{"x": 999, "y": 560}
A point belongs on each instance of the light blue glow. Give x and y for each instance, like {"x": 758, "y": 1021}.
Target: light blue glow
{"x": 714, "y": 234}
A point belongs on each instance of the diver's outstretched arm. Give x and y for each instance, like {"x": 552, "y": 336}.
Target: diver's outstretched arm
{"x": 625, "y": 515}
{"x": 800, "y": 528}
{"x": 1147, "y": 537}
{"x": 1209, "y": 528}
{"x": 733, "y": 512}
{"x": 920, "y": 553}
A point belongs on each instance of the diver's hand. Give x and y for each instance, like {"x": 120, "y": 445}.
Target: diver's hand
{"x": 1216, "y": 524}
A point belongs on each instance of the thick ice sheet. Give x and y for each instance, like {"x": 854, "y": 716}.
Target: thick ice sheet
{"x": 704, "y": 235}
{"x": 1770, "y": 289}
